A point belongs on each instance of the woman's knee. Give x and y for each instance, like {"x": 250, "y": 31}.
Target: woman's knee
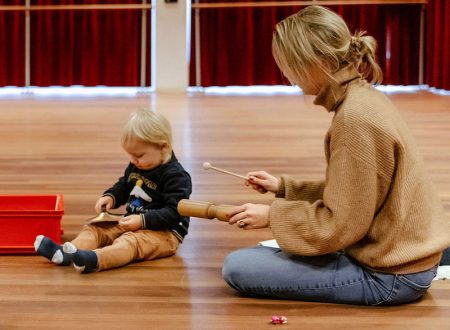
{"x": 232, "y": 269}
{"x": 230, "y": 265}
{"x": 242, "y": 264}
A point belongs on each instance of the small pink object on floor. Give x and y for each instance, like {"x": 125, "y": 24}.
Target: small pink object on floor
{"x": 276, "y": 319}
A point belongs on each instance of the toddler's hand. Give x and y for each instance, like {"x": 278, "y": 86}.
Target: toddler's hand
{"x": 262, "y": 182}
{"x": 131, "y": 222}
{"x": 104, "y": 203}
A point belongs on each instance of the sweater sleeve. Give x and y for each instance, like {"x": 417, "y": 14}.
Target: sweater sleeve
{"x": 292, "y": 190}
{"x": 352, "y": 191}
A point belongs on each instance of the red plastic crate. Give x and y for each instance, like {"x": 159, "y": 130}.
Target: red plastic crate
{"x": 23, "y": 217}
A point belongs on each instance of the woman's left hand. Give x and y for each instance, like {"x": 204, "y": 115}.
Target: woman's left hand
{"x": 250, "y": 216}
{"x": 131, "y": 222}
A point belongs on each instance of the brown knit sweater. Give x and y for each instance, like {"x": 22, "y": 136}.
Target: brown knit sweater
{"x": 376, "y": 203}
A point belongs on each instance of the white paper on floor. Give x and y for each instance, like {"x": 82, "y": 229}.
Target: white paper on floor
{"x": 443, "y": 273}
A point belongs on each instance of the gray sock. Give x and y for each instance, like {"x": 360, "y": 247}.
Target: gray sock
{"x": 84, "y": 261}
{"x": 47, "y": 248}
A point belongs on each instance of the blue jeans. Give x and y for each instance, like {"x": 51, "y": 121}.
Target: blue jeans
{"x": 268, "y": 272}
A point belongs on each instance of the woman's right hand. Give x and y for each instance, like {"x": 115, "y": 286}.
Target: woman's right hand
{"x": 104, "y": 203}
{"x": 262, "y": 182}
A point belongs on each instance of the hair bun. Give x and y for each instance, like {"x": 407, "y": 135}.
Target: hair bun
{"x": 356, "y": 43}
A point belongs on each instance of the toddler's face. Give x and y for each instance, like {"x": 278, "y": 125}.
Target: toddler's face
{"x": 145, "y": 156}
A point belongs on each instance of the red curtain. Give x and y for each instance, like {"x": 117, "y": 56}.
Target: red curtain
{"x": 103, "y": 47}
{"x": 76, "y": 47}
{"x": 437, "y": 54}
{"x": 12, "y": 41}
{"x": 235, "y": 42}
{"x": 235, "y": 46}
{"x": 85, "y": 47}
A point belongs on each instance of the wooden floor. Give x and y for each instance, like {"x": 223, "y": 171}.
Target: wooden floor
{"x": 70, "y": 146}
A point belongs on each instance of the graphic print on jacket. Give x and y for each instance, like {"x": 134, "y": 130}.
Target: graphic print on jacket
{"x": 137, "y": 196}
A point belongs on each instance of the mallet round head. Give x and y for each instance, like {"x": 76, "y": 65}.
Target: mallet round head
{"x": 206, "y": 166}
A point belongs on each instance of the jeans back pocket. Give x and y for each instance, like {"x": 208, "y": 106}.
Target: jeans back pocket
{"x": 410, "y": 287}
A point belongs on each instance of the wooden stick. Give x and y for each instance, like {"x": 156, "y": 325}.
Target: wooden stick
{"x": 208, "y": 166}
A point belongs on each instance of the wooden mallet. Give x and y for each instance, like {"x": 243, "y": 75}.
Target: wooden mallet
{"x": 208, "y": 166}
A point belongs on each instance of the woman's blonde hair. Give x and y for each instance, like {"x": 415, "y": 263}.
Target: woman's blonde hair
{"x": 149, "y": 127}
{"x": 316, "y": 37}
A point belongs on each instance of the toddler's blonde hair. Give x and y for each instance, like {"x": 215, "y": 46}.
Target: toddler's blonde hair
{"x": 318, "y": 38}
{"x": 149, "y": 127}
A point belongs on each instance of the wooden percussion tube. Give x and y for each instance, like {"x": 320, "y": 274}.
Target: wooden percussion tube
{"x": 205, "y": 210}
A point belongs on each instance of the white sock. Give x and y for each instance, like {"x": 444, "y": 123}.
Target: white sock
{"x": 58, "y": 257}
{"x": 69, "y": 248}
{"x": 38, "y": 241}
{"x": 79, "y": 269}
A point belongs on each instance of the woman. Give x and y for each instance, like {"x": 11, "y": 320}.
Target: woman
{"x": 371, "y": 233}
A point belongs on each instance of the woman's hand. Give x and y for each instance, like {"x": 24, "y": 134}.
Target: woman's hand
{"x": 104, "y": 203}
{"x": 262, "y": 182}
{"x": 250, "y": 216}
{"x": 131, "y": 222}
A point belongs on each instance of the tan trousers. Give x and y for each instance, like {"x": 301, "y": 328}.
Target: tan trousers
{"x": 116, "y": 247}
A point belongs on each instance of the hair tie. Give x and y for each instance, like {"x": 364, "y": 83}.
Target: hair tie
{"x": 355, "y": 42}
